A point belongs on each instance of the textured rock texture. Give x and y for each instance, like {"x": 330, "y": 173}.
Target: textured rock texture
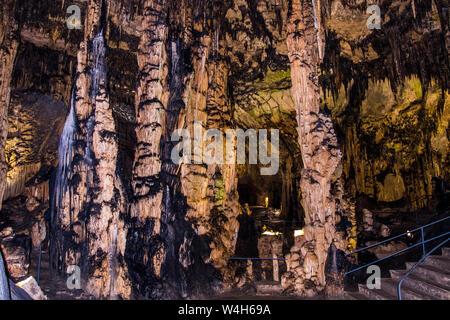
{"x": 8, "y": 51}
{"x": 388, "y": 95}
{"x": 191, "y": 223}
{"x": 87, "y": 228}
{"x": 318, "y": 142}
{"x": 35, "y": 123}
{"x": 140, "y": 226}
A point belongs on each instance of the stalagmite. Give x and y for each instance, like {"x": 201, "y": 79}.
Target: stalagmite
{"x": 151, "y": 99}
{"x": 320, "y": 151}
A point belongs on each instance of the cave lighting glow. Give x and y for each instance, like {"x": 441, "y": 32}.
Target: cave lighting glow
{"x": 268, "y": 232}
{"x": 271, "y": 233}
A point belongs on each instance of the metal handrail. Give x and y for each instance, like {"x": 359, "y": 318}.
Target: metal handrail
{"x": 400, "y": 251}
{"x": 422, "y": 242}
{"x": 399, "y": 289}
{"x": 40, "y": 254}
{"x": 398, "y": 236}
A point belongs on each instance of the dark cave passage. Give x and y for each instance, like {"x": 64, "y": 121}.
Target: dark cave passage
{"x": 270, "y": 220}
{"x": 253, "y": 188}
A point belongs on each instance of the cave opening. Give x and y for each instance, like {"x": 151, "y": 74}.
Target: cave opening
{"x": 257, "y": 190}
{"x": 270, "y": 219}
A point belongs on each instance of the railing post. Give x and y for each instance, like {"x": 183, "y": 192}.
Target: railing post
{"x": 40, "y": 254}
{"x": 423, "y": 242}
{"x": 276, "y": 274}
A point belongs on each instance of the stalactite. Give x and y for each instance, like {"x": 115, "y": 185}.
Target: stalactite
{"x": 65, "y": 157}
{"x": 87, "y": 227}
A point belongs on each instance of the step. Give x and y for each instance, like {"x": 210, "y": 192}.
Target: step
{"x": 440, "y": 262}
{"x": 354, "y": 296}
{"x": 425, "y": 285}
{"x": 422, "y": 275}
{"x": 375, "y": 294}
{"x": 446, "y": 252}
{"x": 268, "y": 287}
{"x": 409, "y": 292}
{"x": 439, "y": 276}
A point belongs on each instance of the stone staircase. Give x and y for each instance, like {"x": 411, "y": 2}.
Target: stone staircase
{"x": 268, "y": 288}
{"x": 429, "y": 281}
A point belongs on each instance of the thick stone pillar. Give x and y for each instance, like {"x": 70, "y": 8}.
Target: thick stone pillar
{"x": 151, "y": 100}
{"x": 210, "y": 189}
{"x": 223, "y": 206}
{"x": 89, "y": 231}
{"x": 182, "y": 214}
{"x": 319, "y": 147}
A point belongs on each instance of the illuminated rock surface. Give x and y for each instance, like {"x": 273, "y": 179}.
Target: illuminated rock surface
{"x": 86, "y": 118}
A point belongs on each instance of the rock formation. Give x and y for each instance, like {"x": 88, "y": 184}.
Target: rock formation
{"x": 88, "y": 115}
{"x": 87, "y": 228}
{"x": 8, "y": 51}
{"x": 318, "y": 142}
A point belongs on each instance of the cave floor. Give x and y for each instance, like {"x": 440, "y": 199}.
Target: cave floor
{"x": 51, "y": 283}
{"x": 228, "y": 296}
{"x": 55, "y": 288}
{"x": 239, "y": 295}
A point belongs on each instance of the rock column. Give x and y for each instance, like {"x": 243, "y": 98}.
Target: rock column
{"x": 320, "y": 151}
{"x": 88, "y": 230}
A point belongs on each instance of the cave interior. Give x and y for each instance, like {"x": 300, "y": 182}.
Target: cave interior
{"x": 139, "y": 226}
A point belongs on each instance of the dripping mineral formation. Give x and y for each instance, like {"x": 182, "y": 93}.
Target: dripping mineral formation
{"x": 190, "y": 149}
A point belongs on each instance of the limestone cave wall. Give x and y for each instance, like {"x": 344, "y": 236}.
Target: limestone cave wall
{"x": 87, "y": 115}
